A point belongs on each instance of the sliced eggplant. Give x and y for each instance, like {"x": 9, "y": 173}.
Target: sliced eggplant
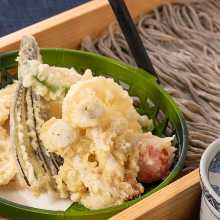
{"x": 37, "y": 166}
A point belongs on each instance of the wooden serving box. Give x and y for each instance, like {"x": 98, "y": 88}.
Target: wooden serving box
{"x": 181, "y": 199}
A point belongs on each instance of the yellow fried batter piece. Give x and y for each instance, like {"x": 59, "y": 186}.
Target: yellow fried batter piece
{"x": 6, "y": 97}
{"x": 57, "y": 134}
{"x": 96, "y": 137}
{"x": 55, "y": 109}
{"x": 91, "y": 102}
{"x": 48, "y": 81}
{"x": 7, "y": 161}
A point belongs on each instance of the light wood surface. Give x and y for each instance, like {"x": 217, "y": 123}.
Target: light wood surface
{"x": 178, "y": 201}
{"x": 68, "y": 28}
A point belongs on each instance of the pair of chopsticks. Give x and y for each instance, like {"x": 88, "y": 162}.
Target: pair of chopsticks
{"x": 132, "y": 37}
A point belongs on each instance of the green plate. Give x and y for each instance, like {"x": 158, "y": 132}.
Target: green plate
{"x": 154, "y": 102}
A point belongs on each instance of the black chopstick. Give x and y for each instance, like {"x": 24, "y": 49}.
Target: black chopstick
{"x": 132, "y": 37}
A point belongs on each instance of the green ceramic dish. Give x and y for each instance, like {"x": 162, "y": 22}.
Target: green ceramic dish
{"x": 154, "y": 102}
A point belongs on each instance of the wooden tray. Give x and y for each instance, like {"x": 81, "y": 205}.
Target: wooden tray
{"x": 181, "y": 199}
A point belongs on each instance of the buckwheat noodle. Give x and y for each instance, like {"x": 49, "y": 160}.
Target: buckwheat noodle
{"x": 183, "y": 41}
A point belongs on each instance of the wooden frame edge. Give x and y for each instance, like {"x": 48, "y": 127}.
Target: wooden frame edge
{"x": 68, "y": 28}
{"x": 183, "y": 196}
